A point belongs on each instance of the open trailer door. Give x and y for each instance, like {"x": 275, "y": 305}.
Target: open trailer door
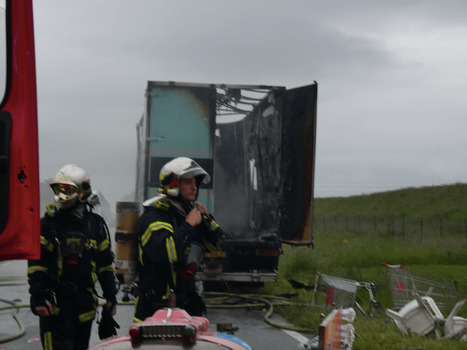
{"x": 19, "y": 168}
{"x": 299, "y": 150}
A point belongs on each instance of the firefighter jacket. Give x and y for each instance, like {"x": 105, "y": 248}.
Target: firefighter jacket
{"x": 164, "y": 241}
{"x": 75, "y": 253}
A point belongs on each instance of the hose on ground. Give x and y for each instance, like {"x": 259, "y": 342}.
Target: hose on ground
{"x": 260, "y": 300}
{"x": 22, "y": 328}
{"x": 251, "y": 301}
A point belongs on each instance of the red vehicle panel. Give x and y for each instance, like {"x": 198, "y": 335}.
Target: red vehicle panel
{"x": 19, "y": 168}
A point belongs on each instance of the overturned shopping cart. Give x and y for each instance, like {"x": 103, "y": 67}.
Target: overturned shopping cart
{"x": 333, "y": 292}
{"x": 405, "y": 284}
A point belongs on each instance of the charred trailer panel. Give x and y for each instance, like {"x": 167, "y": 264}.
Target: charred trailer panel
{"x": 258, "y": 144}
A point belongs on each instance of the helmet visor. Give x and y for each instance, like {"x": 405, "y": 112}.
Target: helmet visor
{"x": 195, "y": 173}
{"x": 65, "y": 189}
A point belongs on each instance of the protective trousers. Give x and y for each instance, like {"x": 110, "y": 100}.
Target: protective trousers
{"x": 69, "y": 328}
{"x": 64, "y": 332}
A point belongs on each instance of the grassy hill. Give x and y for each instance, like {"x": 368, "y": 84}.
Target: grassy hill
{"x": 351, "y": 254}
{"x": 449, "y": 201}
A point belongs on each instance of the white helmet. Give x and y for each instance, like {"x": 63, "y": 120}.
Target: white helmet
{"x": 70, "y": 185}
{"x": 178, "y": 168}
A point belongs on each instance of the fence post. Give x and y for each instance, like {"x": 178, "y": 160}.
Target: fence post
{"x": 403, "y": 227}
{"x": 421, "y": 229}
{"x": 440, "y": 229}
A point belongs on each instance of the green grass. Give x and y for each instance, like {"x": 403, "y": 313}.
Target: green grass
{"x": 431, "y": 202}
{"x": 358, "y": 257}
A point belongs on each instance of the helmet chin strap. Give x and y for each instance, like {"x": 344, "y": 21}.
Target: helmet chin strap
{"x": 172, "y": 192}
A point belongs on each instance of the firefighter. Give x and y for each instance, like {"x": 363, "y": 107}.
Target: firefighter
{"x": 75, "y": 253}
{"x": 174, "y": 231}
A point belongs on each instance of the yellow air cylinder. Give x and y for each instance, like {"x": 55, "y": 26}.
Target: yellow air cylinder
{"x": 126, "y": 240}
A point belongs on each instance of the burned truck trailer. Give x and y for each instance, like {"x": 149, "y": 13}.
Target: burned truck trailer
{"x": 258, "y": 145}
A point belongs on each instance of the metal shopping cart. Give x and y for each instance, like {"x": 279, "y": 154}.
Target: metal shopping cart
{"x": 405, "y": 284}
{"x": 333, "y": 292}
{"x": 342, "y": 292}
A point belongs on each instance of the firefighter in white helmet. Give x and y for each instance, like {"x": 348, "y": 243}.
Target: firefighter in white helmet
{"x": 173, "y": 233}
{"x": 75, "y": 253}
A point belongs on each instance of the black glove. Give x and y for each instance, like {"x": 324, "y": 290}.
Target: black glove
{"x": 107, "y": 324}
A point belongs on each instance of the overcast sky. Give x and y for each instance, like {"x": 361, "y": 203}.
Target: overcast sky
{"x": 392, "y": 77}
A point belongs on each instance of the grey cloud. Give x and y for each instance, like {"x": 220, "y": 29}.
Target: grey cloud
{"x": 386, "y": 113}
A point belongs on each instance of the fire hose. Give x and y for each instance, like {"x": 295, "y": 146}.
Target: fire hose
{"x": 254, "y": 300}
{"x": 22, "y": 328}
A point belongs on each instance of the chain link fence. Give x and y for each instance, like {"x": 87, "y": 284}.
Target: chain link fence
{"x": 400, "y": 227}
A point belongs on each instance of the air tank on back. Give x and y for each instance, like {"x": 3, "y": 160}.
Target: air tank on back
{"x": 126, "y": 243}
